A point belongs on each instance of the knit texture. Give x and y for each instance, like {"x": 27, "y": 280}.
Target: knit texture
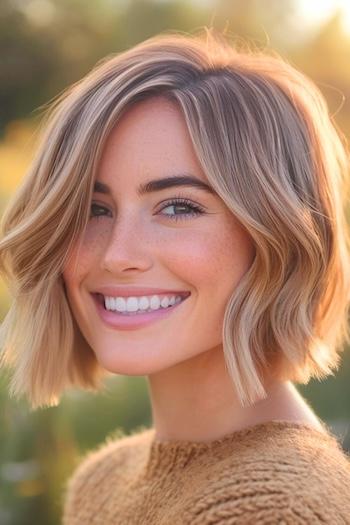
{"x": 279, "y": 472}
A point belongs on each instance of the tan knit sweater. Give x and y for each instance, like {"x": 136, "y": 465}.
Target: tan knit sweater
{"x": 278, "y": 472}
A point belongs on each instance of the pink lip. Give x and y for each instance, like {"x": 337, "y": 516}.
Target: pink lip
{"x": 132, "y": 322}
{"x": 126, "y": 291}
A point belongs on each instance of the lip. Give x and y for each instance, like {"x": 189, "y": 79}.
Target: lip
{"x": 126, "y": 291}
{"x": 132, "y": 322}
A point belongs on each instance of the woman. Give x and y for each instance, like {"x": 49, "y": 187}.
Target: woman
{"x": 184, "y": 220}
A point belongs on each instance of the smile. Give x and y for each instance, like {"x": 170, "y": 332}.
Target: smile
{"x": 124, "y": 320}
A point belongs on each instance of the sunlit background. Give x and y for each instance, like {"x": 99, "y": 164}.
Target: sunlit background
{"x": 45, "y": 45}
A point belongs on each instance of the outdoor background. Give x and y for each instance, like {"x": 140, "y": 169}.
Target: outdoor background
{"x": 45, "y": 45}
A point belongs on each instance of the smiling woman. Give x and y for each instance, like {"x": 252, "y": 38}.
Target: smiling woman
{"x": 184, "y": 220}
{"x": 140, "y": 235}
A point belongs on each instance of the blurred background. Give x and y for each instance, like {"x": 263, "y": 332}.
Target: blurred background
{"x": 45, "y": 45}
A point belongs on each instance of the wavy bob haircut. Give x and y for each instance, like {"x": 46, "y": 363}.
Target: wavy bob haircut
{"x": 269, "y": 148}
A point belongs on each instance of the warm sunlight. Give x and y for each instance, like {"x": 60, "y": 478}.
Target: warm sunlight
{"x": 317, "y": 11}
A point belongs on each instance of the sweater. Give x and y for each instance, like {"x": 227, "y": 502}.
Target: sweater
{"x": 277, "y": 472}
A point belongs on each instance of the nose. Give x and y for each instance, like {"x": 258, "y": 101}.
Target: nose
{"x": 128, "y": 248}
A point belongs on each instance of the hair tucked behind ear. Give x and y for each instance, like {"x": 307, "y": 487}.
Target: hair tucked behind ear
{"x": 265, "y": 140}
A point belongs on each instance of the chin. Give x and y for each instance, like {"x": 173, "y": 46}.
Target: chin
{"x": 124, "y": 364}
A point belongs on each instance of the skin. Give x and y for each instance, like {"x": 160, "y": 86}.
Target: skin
{"x": 192, "y": 396}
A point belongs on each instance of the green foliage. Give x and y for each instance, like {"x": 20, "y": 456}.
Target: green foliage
{"x": 39, "y": 449}
{"x": 331, "y": 399}
{"x": 45, "y": 50}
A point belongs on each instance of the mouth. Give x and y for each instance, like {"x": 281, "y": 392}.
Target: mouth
{"x": 181, "y": 296}
{"x": 134, "y": 320}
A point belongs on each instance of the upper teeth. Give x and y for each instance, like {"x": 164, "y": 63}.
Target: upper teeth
{"x": 133, "y": 304}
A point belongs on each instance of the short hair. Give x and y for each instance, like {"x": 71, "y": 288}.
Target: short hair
{"x": 267, "y": 144}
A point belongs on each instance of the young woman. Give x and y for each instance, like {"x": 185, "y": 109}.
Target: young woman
{"x": 184, "y": 220}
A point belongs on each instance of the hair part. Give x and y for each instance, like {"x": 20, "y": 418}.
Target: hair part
{"x": 268, "y": 146}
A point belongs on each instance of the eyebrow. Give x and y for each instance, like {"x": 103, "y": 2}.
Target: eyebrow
{"x": 161, "y": 184}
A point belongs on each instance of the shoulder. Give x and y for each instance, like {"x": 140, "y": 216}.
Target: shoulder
{"x": 296, "y": 477}
{"x": 106, "y": 462}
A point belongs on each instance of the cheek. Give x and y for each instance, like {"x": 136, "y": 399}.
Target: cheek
{"x": 192, "y": 254}
{"x": 216, "y": 257}
{"x": 85, "y": 254}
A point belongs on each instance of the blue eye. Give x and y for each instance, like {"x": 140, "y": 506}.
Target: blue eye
{"x": 195, "y": 209}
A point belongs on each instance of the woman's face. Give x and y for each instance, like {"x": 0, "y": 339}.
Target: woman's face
{"x": 136, "y": 240}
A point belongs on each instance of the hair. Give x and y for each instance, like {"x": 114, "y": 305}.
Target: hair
{"x": 268, "y": 146}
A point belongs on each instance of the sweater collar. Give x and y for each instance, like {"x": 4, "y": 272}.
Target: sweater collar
{"x": 169, "y": 455}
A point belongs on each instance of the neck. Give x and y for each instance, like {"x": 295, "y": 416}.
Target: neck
{"x": 195, "y": 400}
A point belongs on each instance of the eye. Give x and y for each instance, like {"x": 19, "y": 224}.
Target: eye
{"x": 97, "y": 210}
{"x": 193, "y": 210}
{"x": 189, "y": 209}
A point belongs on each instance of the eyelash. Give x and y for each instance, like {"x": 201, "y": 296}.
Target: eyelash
{"x": 178, "y": 201}
{"x": 196, "y": 210}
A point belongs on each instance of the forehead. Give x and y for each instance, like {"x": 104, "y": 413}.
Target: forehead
{"x": 150, "y": 139}
{"x": 148, "y": 123}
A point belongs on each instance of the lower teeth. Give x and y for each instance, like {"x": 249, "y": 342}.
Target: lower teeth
{"x": 141, "y": 311}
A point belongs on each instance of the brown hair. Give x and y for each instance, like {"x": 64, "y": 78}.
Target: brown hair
{"x": 265, "y": 140}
